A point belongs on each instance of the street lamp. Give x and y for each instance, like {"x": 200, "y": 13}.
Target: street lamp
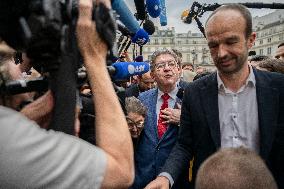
{"x": 204, "y": 55}
{"x": 194, "y": 56}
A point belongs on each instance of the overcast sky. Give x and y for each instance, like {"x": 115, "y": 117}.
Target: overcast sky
{"x": 176, "y": 7}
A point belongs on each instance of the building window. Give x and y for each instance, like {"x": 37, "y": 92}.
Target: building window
{"x": 194, "y": 42}
{"x": 260, "y": 42}
{"x": 281, "y": 37}
{"x": 269, "y": 40}
{"x": 179, "y": 42}
{"x": 260, "y": 51}
{"x": 269, "y": 50}
{"x": 188, "y": 58}
{"x": 156, "y": 42}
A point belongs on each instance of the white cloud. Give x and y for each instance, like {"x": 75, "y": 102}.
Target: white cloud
{"x": 176, "y": 7}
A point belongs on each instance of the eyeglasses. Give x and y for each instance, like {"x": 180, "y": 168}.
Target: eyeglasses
{"x": 161, "y": 65}
{"x": 132, "y": 124}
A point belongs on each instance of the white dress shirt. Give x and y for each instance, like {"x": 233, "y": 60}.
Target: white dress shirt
{"x": 238, "y": 115}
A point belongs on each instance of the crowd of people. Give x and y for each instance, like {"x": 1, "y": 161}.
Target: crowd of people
{"x": 176, "y": 126}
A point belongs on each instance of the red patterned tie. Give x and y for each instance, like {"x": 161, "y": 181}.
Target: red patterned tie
{"x": 162, "y": 127}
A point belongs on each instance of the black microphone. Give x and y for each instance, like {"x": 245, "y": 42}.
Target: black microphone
{"x": 140, "y": 7}
{"x": 149, "y": 27}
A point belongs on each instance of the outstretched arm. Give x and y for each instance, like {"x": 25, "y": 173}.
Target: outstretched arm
{"x": 111, "y": 128}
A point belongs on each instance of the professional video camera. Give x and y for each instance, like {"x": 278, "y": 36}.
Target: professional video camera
{"x": 45, "y": 30}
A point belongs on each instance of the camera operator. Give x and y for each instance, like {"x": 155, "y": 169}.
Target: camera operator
{"x": 32, "y": 157}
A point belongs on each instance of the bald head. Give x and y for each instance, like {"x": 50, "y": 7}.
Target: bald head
{"x": 234, "y": 168}
{"x": 242, "y": 11}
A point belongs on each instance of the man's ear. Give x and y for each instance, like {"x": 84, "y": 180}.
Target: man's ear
{"x": 251, "y": 40}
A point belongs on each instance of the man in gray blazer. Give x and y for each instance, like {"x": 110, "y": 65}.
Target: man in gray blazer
{"x": 237, "y": 106}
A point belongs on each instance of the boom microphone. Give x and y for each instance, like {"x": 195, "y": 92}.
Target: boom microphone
{"x": 125, "y": 15}
{"x": 140, "y": 7}
{"x": 149, "y": 27}
{"x": 140, "y": 37}
{"x": 163, "y": 15}
{"x": 124, "y": 70}
{"x": 153, "y": 8}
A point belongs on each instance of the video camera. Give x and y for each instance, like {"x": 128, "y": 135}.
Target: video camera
{"x": 45, "y": 31}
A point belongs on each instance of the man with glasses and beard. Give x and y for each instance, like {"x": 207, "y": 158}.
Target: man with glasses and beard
{"x": 162, "y": 120}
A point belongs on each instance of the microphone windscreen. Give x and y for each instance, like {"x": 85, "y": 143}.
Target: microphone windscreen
{"x": 140, "y": 8}
{"x": 141, "y": 37}
{"x": 125, "y": 15}
{"x": 153, "y": 8}
{"x": 163, "y": 15}
{"x": 124, "y": 70}
{"x": 149, "y": 27}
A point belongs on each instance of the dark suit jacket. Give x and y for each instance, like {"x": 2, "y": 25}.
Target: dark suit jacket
{"x": 199, "y": 134}
{"x": 132, "y": 90}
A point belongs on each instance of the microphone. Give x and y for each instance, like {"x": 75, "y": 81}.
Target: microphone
{"x": 153, "y": 8}
{"x": 149, "y": 27}
{"x": 140, "y": 37}
{"x": 124, "y": 70}
{"x": 140, "y": 7}
{"x": 125, "y": 15}
{"x": 163, "y": 15}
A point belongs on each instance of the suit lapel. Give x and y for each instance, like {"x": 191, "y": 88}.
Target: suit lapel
{"x": 153, "y": 103}
{"x": 209, "y": 99}
{"x": 267, "y": 102}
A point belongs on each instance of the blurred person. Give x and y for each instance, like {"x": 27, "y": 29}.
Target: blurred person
{"x": 280, "y": 51}
{"x": 256, "y": 59}
{"x": 162, "y": 120}
{"x": 188, "y": 75}
{"x": 272, "y": 65}
{"x": 234, "y": 168}
{"x": 144, "y": 83}
{"x": 200, "y": 69}
{"x": 135, "y": 117}
{"x": 187, "y": 66}
{"x": 235, "y": 106}
{"x": 32, "y": 157}
{"x": 200, "y": 75}
{"x": 10, "y": 71}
